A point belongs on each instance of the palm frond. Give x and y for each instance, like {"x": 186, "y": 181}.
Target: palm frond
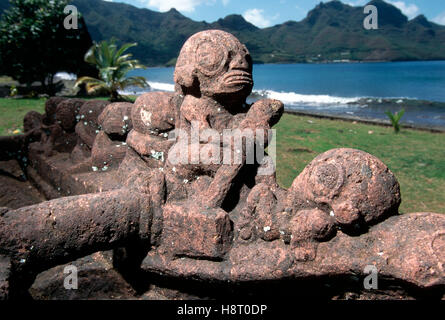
{"x": 135, "y": 82}
{"x": 94, "y": 88}
{"x": 113, "y": 66}
{"x": 87, "y": 80}
{"x": 395, "y": 119}
{"x": 124, "y": 48}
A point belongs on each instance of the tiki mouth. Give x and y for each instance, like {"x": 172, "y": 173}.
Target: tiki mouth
{"x": 235, "y": 78}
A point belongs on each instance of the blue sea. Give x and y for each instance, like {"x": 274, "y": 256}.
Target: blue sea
{"x": 345, "y": 89}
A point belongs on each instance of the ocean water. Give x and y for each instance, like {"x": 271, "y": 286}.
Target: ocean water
{"x": 344, "y": 89}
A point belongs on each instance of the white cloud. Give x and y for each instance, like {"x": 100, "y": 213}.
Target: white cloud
{"x": 225, "y": 2}
{"x": 356, "y": 3}
{"x": 410, "y": 10}
{"x": 256, "y": 17}
{"x": 440, "y": 19}
{"x": 180, "y": 5}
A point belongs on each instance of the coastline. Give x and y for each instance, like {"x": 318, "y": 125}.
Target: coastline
{"x": 375, "y": 121}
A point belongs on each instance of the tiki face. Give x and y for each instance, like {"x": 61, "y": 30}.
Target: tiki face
{"x": 215, "y": 64}
{"x": 358, "y": 187}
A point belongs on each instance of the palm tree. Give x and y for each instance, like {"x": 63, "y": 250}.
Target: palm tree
{"x": 113, "y": 65}
{"x": 395, "y": 119}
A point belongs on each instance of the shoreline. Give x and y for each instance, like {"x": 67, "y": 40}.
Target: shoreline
{"x": 375, "y": 121}
{"x": 344, "y": 61}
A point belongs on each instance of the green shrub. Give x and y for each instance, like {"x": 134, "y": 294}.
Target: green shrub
{"x": 395, "y": 119}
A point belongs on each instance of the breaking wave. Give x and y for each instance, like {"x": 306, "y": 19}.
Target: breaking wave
{"x": 288, "y": 98}
{"x": 293, "y": 98}
{"x": 160, "y": 86}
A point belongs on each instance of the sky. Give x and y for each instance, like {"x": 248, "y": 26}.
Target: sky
{"x": 265, "y": 13}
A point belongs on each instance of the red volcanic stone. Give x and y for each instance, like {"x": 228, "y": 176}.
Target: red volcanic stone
{"x": 106, "y": 153}
{"x": 216, "y": 64}
{"x": 43, "y": 236}
{"x": 311, "y": 224}
{"x": 408, "y": 247}
{"x": 87, "y": 128}
{"x": 50, "y": 109}
{"x": 33, "y": 120}
{"x": 149, "y": 145}
{"x": 191, "y": 231}
{"x": 264, "y": 113}
{"x": 80, "y": 152}
{"x": 257, "y": 216}
{"x": 96, "y": 277}
{"x": 202, "y": 221}
{"x": 154, "y": 112}
{"x": 308, "y": 227}
{"x": 116, "y": 118}
{"x": 5, "y": 267}
{"x": 66, "y": 113}
{"x": 359, "y": 188}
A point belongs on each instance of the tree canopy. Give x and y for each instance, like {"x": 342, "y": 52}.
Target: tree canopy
{"x": 34, "y": 44}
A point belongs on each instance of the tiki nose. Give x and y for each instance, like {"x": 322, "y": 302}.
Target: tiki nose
{"x": 239, "y": 62}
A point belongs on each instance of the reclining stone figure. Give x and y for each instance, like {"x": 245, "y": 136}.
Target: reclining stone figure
{"x": 220, "y": 222}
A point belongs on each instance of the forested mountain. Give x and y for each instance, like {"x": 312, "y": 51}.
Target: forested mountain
{"x": 331, "y": 31}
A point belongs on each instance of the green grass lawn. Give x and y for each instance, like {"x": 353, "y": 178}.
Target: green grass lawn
{"x": 417, "y": 158}
{"x": 12, "y": 112}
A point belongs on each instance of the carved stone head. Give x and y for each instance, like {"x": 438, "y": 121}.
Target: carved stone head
{"x": 356, "y": 187}
{"x": 215, "y": 64}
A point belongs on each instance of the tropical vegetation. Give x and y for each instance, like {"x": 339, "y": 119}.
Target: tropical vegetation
{"x": 113, "y": 65}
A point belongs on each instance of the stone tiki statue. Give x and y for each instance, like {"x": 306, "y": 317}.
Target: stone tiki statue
{"x": 119, "y": 184}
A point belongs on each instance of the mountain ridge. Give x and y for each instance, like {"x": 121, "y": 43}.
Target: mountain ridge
{"x": 332, "y": 31}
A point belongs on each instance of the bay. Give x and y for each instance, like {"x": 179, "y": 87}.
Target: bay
{"x": 364, "y": 90}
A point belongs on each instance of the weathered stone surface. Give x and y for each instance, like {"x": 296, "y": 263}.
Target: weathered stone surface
{"x": 88, "y": 127}
{"x": 208, "y": 229}
{"x": 50, "y": 109}
{"x": 157, "y": 292}
{"x": 358, "y": 187}
{"x": 390, "y": 246}
{"x": 5, "y": 266}
{"x": 116, "y": 118}
{"x": 219, "y": 63}
{"x": 208, "y": 233}
{"x": 107, "y": 153}
{"x": 43, "y": 236}
{"x": 81, "y": 152}
{"x": 150, "y": 145}
{"x": 66, "y": 113}
{"x": 33, "y": 120}
{"x": 96, "y": 280}
{"x": 16, "y": 193}
{"x": 154, "y": 112}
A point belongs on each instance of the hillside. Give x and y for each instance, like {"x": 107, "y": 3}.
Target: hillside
{"x": 331, "y": 31}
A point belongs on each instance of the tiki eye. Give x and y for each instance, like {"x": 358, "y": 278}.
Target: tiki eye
{"x": 326, "y": 180}
{"x": 210, "y": 57}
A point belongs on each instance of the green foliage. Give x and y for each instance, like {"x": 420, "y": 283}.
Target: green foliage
{"x": 13, "y": 91}
{"x": 34, "y": 45}
{"x": 113, "y": 65}
{"x": 395, "y": 119}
